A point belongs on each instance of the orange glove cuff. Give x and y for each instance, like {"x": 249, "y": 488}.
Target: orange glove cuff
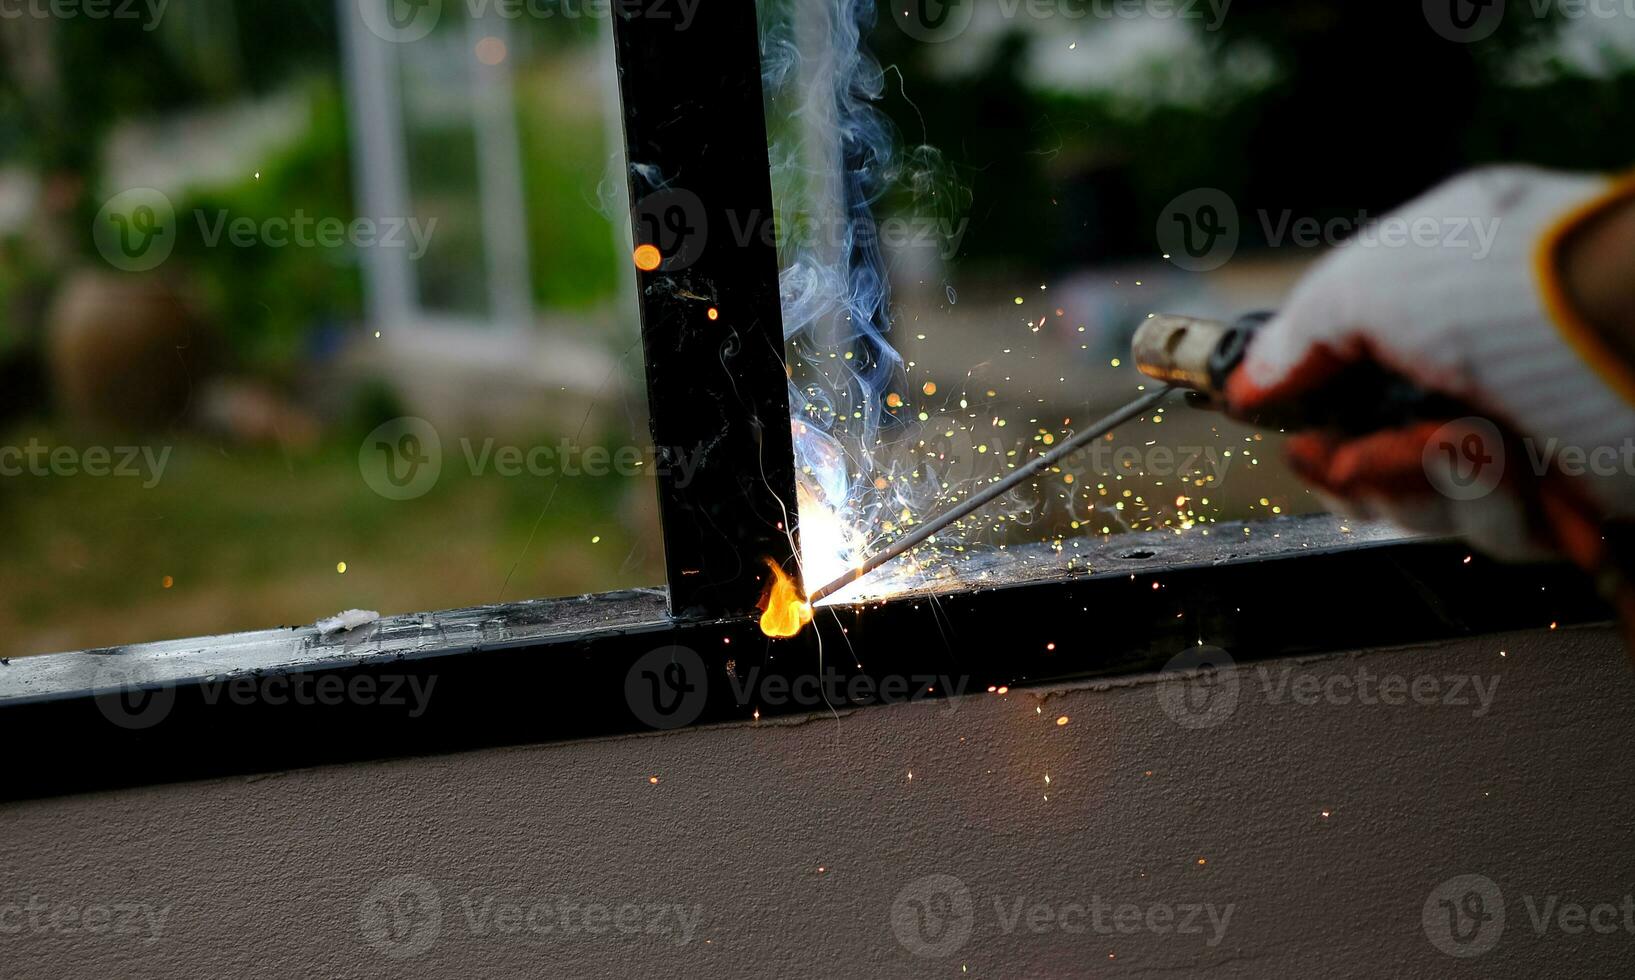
{"x": 1579, "y": 333}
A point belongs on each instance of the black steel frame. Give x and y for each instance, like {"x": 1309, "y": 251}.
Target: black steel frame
{"x": 613, "y": 664}
{"x": 701, "y": 194}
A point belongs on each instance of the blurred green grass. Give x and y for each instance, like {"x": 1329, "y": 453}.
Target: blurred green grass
{"x": 252, "y": 539}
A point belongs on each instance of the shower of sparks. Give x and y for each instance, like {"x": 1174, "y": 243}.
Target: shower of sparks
{"x": 885, "y": 445}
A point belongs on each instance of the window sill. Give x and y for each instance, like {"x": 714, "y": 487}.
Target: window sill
{"x": 562, "y": 669}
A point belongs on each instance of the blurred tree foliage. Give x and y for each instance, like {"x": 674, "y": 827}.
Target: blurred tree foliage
{"x": 65, "y": 83}
{"x": 70, "y": 79}
{"x": 1365, "y": 107}
{"x": 267, "y": 300}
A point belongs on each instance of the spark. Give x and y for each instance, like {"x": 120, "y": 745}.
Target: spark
{"x": 647, "y": 257}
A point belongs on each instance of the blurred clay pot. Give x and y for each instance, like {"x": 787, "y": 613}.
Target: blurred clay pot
{"x": 125, "y": 350}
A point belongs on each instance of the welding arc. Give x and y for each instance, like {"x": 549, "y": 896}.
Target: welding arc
{"x": 994, "y": 490}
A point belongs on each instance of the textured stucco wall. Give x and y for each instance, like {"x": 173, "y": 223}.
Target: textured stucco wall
{"x": 504, "y": 862}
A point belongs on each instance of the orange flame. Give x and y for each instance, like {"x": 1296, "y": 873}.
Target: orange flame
{"x": 784, "y": 611}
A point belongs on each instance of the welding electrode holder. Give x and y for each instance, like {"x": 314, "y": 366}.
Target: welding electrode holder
{"x": 1200, "y": 355}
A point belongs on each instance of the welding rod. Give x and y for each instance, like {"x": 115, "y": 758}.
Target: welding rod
{"x": 996, "y": 489}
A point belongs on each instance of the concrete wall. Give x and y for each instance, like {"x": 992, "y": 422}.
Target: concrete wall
{"x": 1312, "y": 835}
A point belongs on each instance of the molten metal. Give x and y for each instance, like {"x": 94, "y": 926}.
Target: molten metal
{"x": 784, "y": 611}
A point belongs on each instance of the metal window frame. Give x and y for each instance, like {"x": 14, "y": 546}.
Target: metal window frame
{"x": 711, "y": 321}
{"x": 590, "y": 666}
{"x": 562, "y": 669}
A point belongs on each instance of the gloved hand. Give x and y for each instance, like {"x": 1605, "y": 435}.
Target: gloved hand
{"x": 1468, "y": 302}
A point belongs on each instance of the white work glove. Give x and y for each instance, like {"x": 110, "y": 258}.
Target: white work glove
{"x": 1457, "y": 291}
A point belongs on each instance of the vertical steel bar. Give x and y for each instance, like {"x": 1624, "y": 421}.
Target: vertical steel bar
{"x": 712, "y": 331}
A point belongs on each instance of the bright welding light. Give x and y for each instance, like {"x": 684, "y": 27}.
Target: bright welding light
{"x": 827, "y": 544}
